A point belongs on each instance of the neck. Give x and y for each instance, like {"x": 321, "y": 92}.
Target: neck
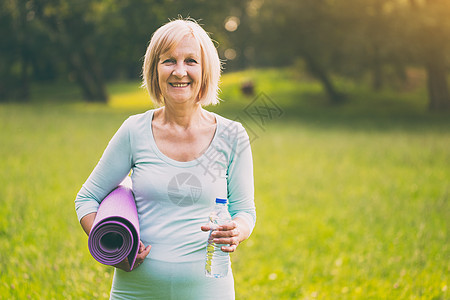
{"x": 183, "y": 115}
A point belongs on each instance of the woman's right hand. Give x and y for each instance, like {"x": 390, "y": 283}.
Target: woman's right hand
{"x": 142, "y": 254}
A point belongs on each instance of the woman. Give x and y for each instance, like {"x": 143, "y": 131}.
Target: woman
{"x": 182, "y": 158}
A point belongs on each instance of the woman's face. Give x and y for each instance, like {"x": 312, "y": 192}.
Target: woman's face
{"x": 180, "y": 72}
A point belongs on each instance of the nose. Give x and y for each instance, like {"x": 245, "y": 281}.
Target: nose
{"x": 180, "y": 70}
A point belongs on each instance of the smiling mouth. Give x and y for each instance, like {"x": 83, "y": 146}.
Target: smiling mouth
{"x": 179, "y": 84}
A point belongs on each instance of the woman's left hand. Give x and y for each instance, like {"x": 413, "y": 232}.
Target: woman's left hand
{"x": 142, "y": 254}
{"x": 227, "y": 234}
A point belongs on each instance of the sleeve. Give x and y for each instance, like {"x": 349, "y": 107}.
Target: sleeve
{"x": 240, "y": 179}
{"x": 112, "y": 168}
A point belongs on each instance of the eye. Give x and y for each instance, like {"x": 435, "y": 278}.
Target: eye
{"x": 169, "y": 61}
{"x": 191, "y": 61}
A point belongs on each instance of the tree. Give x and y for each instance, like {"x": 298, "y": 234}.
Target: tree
{"x": 436, "y": 35}
{"x": 428, "y": 38}
{"x": 87, "y": 41}
{"x": 71, "y": 25}
{"x": 15, "y": 50}
{"x": 305, "y": 29}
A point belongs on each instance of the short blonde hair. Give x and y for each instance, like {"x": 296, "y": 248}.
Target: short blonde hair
{"x": 167, "y": 38}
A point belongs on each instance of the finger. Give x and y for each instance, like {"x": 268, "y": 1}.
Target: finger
{"x": 141, "y": 246}
{"x": 228, "y": 226}
{"x": 223, "y": 241}
{"x": 230, "y": 248}
{"x": 227, "y": 241}
{"x": 228, "y": 233}
{"x": 146, "y": 251}
{"x": 206, "y": 228}
{"x": 141, "y": 256}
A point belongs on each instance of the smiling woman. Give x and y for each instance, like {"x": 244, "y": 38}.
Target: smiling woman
{"x": 180, "y": 72}
{"x": 182, "y": 158}
{"x": 199, "y": 50}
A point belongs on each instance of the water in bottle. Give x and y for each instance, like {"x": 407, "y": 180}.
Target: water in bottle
{"x": 217, "y": 261}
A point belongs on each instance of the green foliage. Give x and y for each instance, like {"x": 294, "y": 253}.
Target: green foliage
{"x": 91, "y": 42}
{"x": 352, "y": 201}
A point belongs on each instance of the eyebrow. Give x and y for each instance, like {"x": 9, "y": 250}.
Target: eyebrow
{"x": 171, "y": 56}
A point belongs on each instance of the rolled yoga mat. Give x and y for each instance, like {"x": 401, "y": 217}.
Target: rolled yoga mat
{"x": 115, "y": 232}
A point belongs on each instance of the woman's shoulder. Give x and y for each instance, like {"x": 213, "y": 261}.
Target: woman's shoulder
{"x": 143, "y": 115}
{"x": 139, "y": 119}
{"x": 136, "y": 124}
{"x": 225, "y": 121}
{"x": 230, "y": 129}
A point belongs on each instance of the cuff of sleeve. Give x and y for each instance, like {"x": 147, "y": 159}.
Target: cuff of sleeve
{"x": 85, "y": 210}
{"x": 249, "y": 219}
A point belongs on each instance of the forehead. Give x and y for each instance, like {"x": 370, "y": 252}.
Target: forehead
{"x": 187, "y": 46}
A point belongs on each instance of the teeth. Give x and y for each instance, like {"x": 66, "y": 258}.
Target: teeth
{"x": 179, "y": 84}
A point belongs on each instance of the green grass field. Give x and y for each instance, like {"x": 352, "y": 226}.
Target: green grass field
{"x": 352, "y": 200}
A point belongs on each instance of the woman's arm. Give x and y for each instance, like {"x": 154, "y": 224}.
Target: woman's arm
{"x": 87, "y": 221}
{"x": 240, "y": 195}
{"x": 112, "y": 168}
{"x": 240, "y": 185}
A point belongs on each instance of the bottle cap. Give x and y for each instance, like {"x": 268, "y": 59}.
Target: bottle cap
{"x": 221, "y": 201}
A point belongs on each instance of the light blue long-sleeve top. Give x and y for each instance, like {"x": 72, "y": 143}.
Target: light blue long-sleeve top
{"x": 174, "y": 199}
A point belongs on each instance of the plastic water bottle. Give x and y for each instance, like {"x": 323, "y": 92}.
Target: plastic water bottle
{"x": 217, "y": 261}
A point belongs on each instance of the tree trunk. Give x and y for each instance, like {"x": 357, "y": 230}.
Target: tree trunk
{"x": 88, "y": 77}
{"x": 438, "y": 92}
{"x": 21, "y": 86}
{"x": 80, "y": 58}
{"x": 23, "y": 92}
{"x": 377, "y": 72}
{"x": 321, "y": 74}
{"x": 375, "y": 40}
{"x": 434, "y": 57}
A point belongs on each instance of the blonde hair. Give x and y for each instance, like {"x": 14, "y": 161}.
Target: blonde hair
{"x": 167, "y": 38}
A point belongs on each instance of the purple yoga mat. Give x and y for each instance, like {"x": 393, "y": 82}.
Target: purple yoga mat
{"x": 115, "y": 232}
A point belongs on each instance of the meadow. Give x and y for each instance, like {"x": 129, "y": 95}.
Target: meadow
{"x": 352, "y": 200}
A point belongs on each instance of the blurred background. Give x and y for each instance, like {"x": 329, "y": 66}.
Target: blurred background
{"x": 387, "y": 43}
{"x": 346, "y": 103}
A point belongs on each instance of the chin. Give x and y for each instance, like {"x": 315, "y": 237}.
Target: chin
{"x": 182, "y": 100}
